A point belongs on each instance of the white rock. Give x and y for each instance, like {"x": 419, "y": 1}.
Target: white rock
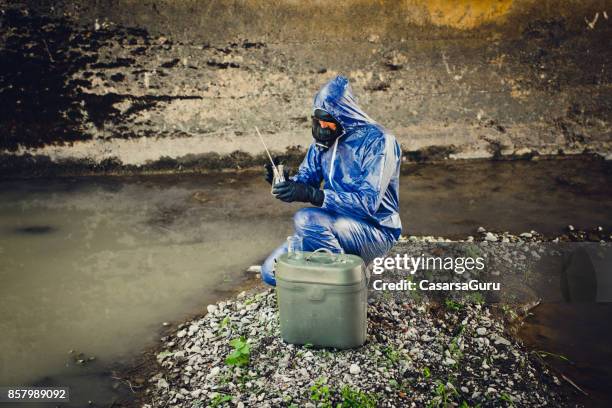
{"x": 211, "y": 309}
{"x": 412, "y": 333}
{"x": 481, "y": 229}
{"x": 213, "y": 372}
{"x": 449, "y": 361}
{"x": 481, "y": 331}
{"x": 490, "y": 237}
{"x": 500, "y": 340}
{"x": 354, "y": 369}
{"x": 161, "y": 383}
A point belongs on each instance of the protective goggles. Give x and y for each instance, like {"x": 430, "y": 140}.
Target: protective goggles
{"x": 325, "y": 124}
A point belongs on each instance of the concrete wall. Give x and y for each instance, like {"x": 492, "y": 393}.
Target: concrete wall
{"x": 127, "y": 85}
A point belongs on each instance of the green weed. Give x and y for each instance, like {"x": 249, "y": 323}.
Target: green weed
{"x": 319, "y": 393}
{"x": 453, "y": 305}
{"x": 241, "y": 354}
{"x": 220, "y": 399}
{"x": 352, "y": 398}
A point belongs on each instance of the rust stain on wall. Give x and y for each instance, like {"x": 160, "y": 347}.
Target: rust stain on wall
{"x": 467, "y": 14}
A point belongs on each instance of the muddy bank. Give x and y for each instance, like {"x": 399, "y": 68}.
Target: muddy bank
{"x": 93, "y": 87}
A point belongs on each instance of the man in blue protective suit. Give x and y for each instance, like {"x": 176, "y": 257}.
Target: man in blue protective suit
{"x": 356, "y": 211}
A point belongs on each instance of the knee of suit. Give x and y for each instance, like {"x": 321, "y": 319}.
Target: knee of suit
{"x": 307, "y": 218}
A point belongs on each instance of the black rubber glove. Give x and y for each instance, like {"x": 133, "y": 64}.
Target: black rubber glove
{"x": 290, "y": 191}
{"x": 269, "y": 170}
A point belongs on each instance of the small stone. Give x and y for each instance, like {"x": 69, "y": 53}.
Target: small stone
{"x": 214, "y": 371}
{"x": 500, "y": 340}
{"x": 449, "y": 361}
{"x": 481, "y": 229}
{"x": 354, "y": 369}
{"x": 211, "y": 309}
{"x": 412, "y": 333}
{"x": 481, "y": 331}
{"x": 162, "y": 383}
{"x": 490, "y": 237}
{"x": 570, "y": 227}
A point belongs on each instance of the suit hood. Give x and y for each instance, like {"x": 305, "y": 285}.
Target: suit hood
{"x": 336, "y": 98}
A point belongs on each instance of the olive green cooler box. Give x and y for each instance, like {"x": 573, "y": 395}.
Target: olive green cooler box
{"x": 322, "y": 299}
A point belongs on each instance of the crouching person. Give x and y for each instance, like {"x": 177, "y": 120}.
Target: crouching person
{"x": 356, "y": 211}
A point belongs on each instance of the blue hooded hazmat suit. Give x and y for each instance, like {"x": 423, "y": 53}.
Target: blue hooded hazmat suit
{"x": 361, "y": 181}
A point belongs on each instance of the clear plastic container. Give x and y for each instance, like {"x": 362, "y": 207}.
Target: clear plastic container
{"x": 294, "y": 247}
{"x": 279, "y": 175}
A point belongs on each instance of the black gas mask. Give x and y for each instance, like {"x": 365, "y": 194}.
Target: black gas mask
{"x": 325, "y": 129}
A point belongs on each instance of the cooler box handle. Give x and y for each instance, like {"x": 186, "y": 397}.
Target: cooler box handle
{"x": 334, "y": 257}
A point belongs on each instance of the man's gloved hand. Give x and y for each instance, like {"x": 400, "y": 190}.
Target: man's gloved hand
{"x": 269, "y": 170}
{"x": 290, "y": 191}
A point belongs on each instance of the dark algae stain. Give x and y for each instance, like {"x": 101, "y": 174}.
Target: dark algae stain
{"x": 43, "y": 101}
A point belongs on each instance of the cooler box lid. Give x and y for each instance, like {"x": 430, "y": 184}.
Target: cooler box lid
{"x": 321, "y": 268}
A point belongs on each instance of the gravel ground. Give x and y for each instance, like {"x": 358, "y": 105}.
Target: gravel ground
{"x": 418, "y": 353}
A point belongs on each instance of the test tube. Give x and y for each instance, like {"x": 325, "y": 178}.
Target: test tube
{"x": 279, "y": 175}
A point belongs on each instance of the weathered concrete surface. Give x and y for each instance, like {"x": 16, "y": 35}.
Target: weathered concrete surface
{"x": 174, "y": 85}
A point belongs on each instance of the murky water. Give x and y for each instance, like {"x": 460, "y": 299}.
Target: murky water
{"x": 94, "y": 266}
{"x": 454, "y": 199}
{"x": 577, "y": 336}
